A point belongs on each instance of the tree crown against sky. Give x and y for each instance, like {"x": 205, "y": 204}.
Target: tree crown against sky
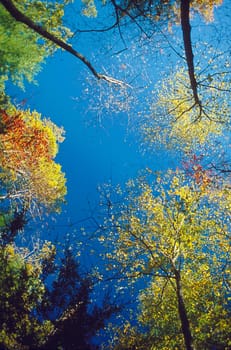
{"x": 22, "y": 50}
{"x": 36, "y": 314}
{"x": 28, "y": 178}
{"x": 201, "y": 71}
{"x": 174, "y": 230}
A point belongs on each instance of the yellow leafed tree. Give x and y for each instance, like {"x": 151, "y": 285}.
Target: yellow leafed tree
{"x": 176, "y": 230}
{"x": 176, "y": 121}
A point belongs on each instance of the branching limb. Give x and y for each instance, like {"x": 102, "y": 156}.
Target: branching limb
{"x": 20, "y": 17}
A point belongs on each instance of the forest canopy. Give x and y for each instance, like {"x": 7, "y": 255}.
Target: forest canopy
{"x": 148, "y": 266}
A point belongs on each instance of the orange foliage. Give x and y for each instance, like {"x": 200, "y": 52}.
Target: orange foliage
{"x": 28, "y": 146}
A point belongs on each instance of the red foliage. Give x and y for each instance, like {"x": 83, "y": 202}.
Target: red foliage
{"x": 194, "y": 169}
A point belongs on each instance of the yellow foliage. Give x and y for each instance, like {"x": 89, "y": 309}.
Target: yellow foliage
{"x": 28, "y": 147}
{"x": 89, "y": 8}
{"x": 176, "y": 121}
{"x": 177, "y": 226}
{"x": 205, "y": 7}
{"x": 48, "y": 182}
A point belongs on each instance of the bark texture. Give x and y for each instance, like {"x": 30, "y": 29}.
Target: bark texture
{"x": 185, "y": 326}
{"x": 186, "y": 30}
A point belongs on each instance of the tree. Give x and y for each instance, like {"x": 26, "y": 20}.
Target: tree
{"x": 18, "y": 14}
{"x": 177, "y": 11}
{"x": 68, "y": 304}
{"x": 159, "y": 325}
{"x": 175, "y": 121}
{"x": 38, "y": 315}
{"x": 176, "y": 232}
{"x": 21, "y": 292}
{"x": 192, "y": 102}
{"x": 22, "y": 50}
{"x": 28, "y": 146}
{"x": 159, "y": 10}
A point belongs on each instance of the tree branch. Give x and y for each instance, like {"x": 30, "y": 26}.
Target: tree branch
{"x": 20, "y": 17}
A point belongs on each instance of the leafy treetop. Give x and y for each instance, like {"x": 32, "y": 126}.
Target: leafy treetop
{"x": 21, "y": 292}
{"x": 176, "y": 121}
{"x": 22, "y": 50}
{"x": 176, "y": 232}
{"x": 28, "y": 146}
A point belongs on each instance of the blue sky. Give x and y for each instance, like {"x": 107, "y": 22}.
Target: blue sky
{"x": 102, "y": 146}
{"x": 94, "y": 153}
{"x": 91, "y": 154}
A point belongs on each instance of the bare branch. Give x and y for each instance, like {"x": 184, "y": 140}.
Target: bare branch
{"x": 125, "y": 11}
{"x": 171, "y": 46}
{"x": 214, "y": 87}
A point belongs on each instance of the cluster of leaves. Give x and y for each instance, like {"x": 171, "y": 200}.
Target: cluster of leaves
{"x": 173, "y": 231}
{"x": 46, "y": 303}
{"x": 176, "y": 230}
{"x": 35, "y": 316}
{"x": 22, "y": 50}
{"x": 28, "y": 146}
{"x": 89, "y": 9}
{"x": 177, "y": 122}
{"x": 175, "y": 117}
{"x": 21, "y": 292}
{"x": 69, "y": 304}
{"x": 162, "y": 11}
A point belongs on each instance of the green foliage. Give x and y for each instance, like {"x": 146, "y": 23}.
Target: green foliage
{"x": 176, "y": 229}
{"x": 22, "y": 50}
{"x": 11, "y": 223}
{"x": 21, "y": 292}
{"x": 20, "y": 55}
{"x": 37, "y": 316}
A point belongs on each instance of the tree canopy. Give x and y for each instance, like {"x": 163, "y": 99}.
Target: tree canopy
{"x": 22, "y": 51}
{"x": 21, "y": 292}
{"x": 176, "y": 230}
{"x": 163, "y": 239}
{"x": 29, "y": 179}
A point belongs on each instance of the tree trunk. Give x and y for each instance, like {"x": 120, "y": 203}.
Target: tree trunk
{"x": 186, "y": 29}
{"x": 185, "y": 326}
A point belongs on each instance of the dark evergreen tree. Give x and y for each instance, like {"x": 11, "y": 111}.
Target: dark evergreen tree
{"x": 68, "y": 305}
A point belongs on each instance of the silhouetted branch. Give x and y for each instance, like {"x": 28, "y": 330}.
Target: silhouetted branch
{"x": 20, "y": 17}
{"x": 226, "y": 169}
